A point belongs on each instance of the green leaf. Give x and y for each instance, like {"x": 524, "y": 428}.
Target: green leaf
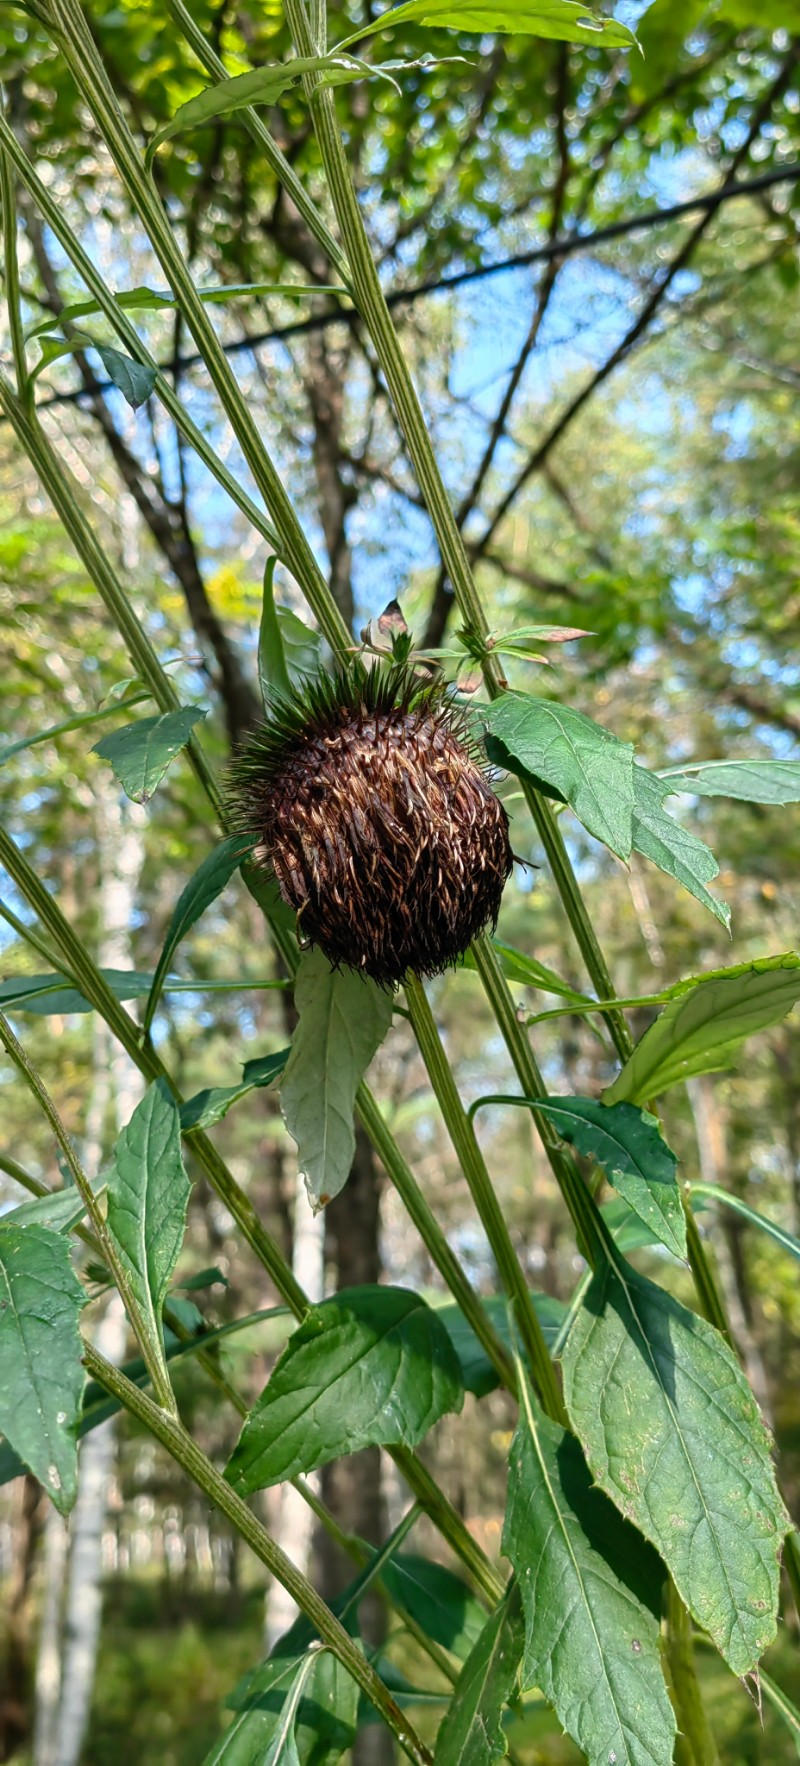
{"x": 342, "y": 1021}
{"x": 516, "y": 966}
{"x": 208, "y": 1107}
{"x": 273, "y": 673}
{"x": 673, "y": 1435}
{"x": 588, "y": 1587}
{"x": 78, "y": 722}
{"x": 702, "y": 1027}
{"x": 671, "y": 846}
{"x": 302, "y": 647}
{"x": 41, "y": 1374}
{"x": 751, "y": 781}
{"x": 271, "y": 1740}
{"x": 565, "y": 20}
{"x": 58, "y": 1211}
{"x": 471, "y": 1732}
{"x": 133, "y": 379}
{"x": 140, "y": 753}
{"x": 441, "y": 1602}
{"x": 477, "y": 1371}
{"x": 326, "y": 1717}
{"x": 154, "y": 300}
{"x": 49, "y": 994}
{"x": 204, "y": 1278}
{"x": 582, "y": 762}
{"x": 148, "y": 1193}
{"x": 371, "y": 1366}
{"x": 628, "y": 1145}
{"x": 208, "y": 882}
{"x": 714, "y": 1192}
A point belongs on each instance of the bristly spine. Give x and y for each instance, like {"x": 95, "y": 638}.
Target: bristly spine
{"x": 372, "y": 805}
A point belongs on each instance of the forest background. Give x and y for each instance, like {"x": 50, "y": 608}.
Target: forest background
{"x": 617, "y": 422}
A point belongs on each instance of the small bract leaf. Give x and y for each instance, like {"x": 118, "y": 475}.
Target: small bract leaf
{"x": 589, "y": 1587}
{"x": 140, "y": 753}
{"x": 560, "y": 748}
{"x": 673, "y": 1434}
{"x": 672, "y": 847}
{"x": 628, "y": 1144}
{"x": 471, "y": 1733}
{"x": 702, "y": 1027}
{"x": 342, "y": 1021}
{"x": 41, "y": 1374}
{"x": 372, "y": 1366}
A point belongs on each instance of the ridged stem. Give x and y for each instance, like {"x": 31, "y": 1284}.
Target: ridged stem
{"x": 185, "y": 1451}
{"x": 473, "y": 1166}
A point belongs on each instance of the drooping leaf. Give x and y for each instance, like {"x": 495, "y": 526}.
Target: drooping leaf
{"x": 135, "y": 380}
{"x": 477, "y": 1372}
{"x": 208, "y": 882}
{"x": 589, "y": 1587}
{"x": 372, "y": 1366}
{"x": 672, "y": 847}
{"x": 565, "y": 20}
{"x": 628, "y": 1144}
{"x": 140, "y": 753}
{"x": 209, "y": 1106}
{"x": 148, "y": 1193}
{"x": 440, "y": 1602}
{"x": 41, "y": 1374}
{"x": 471, "y": 1732}
{"x": 702, "y": 1027}
{"x": 751, "y": 781}
{"x": 565, "y": 751}
{"x": 673, "y": 1435}
{"x": 342, "y": 1021}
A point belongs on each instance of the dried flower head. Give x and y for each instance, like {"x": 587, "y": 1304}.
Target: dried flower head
{"x": 372, "y": 806}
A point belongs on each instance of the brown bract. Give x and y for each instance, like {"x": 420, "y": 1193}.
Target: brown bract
{"x": 380, "y": 824}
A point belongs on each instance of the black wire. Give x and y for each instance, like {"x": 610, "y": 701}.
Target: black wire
{"x": 540, "y": 254}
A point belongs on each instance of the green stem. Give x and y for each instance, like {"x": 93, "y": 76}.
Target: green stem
{"x": 695, "y": 1744}
{"x": 433, "y": 1238}
{"x": 27, "y": 934}
{"x": 25, "y": 1179}
{"x": 179, "y": 1444}
{"x": 155, "y": 1365}
{"x": 11, "y": 273}
{"x": 484, "y": 1195}
{"x": 277, "y": 162}
{"x": 89, "y": 74}
{"x": 126, "y": 331}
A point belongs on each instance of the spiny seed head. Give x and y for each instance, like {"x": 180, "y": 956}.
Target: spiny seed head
{"x": 372, "y": 806}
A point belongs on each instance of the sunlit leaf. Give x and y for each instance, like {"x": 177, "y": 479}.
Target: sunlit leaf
{"x": 148, "y": 1193}
{"x": 669, "y": 845}
{"x": 628, "y": 1144}
{"x": 140, "y": 753}
{"x": 568, "y": 753}
{"x": 751, "y": 781}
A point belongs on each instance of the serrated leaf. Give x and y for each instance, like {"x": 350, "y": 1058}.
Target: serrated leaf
{"x": 133, "y": 379}
{"x": 372, "y": 1366}
{"x": 477, "y": 1372}
{"x": 441, "y": 1602}
{"x": 209, "y": 1106}
{"x": 471, "y": 1732}
{"x": 750, "y": 781}
{"x": 140, "y": 753}
{"x": 578, "y": 759}
{"x": 208, "y": 882}
{"x": 41, "y": 1373}
{"x": 148, "y": 1193}
{"x": 342, "y": 1021}
{"x": 564, "y": 20}
{"x": 628, "y": 1144}
{"x": 673, "y": 1435}
{"x": 703, "y": 1025}
{"x": 672, "y": 847}
{"x": 588, "y": 1586}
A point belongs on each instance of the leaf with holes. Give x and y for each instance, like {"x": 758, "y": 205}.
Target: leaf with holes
{"x": 140, "y": 753}
{"x": 591, "y": 1592}
{"x": 208, "y": 882}
{"x": 701, "y": 1028}
{"x": 673, "y": 1435}
{"x": 629, "y": 1146}
{"x": 471, "y": 1732}
{"x": 148, "y": 1193}
{"x": 342, "y": 1021}
{"x": 672, "y": 847}
{"x": 41, "y": 1374}
{"x": 372, "y": 1366}
{"x": 571, "y": 755}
